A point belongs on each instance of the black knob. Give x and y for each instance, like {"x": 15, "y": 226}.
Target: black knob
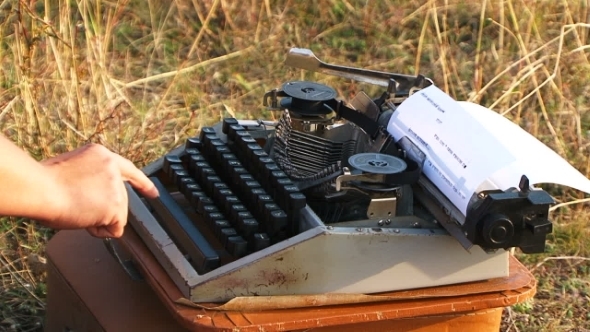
{"x": 497, "y": 230}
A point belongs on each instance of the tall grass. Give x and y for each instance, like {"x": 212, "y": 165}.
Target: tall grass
{"x": 141, "y": 76}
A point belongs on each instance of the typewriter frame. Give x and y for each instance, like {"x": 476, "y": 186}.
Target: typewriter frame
{"x": 359, "y": 257}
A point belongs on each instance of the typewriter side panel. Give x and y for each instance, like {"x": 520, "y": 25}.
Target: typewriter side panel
{"x": 361, "y": 261}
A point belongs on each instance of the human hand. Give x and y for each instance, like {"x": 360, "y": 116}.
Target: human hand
{"x": 91, "y": 192}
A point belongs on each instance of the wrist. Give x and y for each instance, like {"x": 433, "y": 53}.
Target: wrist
{"x": 53, "y": 199}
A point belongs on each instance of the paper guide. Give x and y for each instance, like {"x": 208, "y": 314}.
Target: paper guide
{"x": 470, "y": 148}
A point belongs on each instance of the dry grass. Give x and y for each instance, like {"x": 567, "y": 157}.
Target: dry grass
{"x": 140, "y": 76}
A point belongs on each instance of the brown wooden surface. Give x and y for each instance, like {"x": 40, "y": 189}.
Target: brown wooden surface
{"x": 118, "y": 303}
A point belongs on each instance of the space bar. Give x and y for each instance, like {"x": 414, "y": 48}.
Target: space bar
{"x": 204, "y": 257}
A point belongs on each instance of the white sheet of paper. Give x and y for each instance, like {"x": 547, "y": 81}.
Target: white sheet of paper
{"x": 470, "y": 148}
{"x": 534, "y": 159}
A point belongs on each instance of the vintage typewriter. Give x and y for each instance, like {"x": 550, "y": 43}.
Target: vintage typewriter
{"x": 323, "y": 200}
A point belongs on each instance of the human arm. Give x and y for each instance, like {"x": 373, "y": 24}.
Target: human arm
{"x": 83, "y": 188}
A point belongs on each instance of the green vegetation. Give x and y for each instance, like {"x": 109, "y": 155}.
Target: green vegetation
{"x": 141, "y": 76}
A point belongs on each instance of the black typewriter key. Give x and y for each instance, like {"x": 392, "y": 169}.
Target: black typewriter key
{"x": 213, "y": 143}
{"x": 229, "y": 160}
{"x": 206, "y": 131}
{"x": 186, "y": 156}
{"x": 243, "y": 143}
{"x": 245, "y": 177}
{"x": 177, "y": 175}
{"x": 229, "y": 201}
{"x": 260, "y": 241}
{"x": 278, "y": 220}
{"x": 210, "y": 145}
{"x": 207, "y": 148}
{"x": 240, "y": 133}
{"x": 262, "y": 200}
{"x": 248, "y": 226}
{"x": 193, "y": 160}
{"x": 193, "y": 143}
{"x": 286, "y": 193}
{"x": 252, "y": 185}
{"x": 255, "y": 194}
{"x": 284, "y": 182}
{"x": 266, "y": 160}
{"x": 258, "y": 191}
{"x": 260, "y": 153}
{"x": 172, "y": 170}
{"x": 231, "y": 164}
{"x": 192, "y": 151}
{"x": 221, "y": 195}
{"x": 170, "y": 160}
{"x": 200, "y": 164}
{"x": 234, "y": 210}
{"x": 253, "y": 147}
{"x": 227, "y": 122}
{"x": 205, "y": 209}
{"x": 225, "y": 233}
{"x": 268, "y": 169}
{"x": 243, "y": 215}
{"x": 217, "y": 187}
{"x": 183, "y": 182}
{"x": 217, "y": 153}
{"x": 236, "y": 174}
{"x": 297, "y": 201}
{"x": 209, "y": 183}
{"x": 229, "y": 156}
{"x": 219, "y": 225}
{"x": 279, "y": 174}
{"x": 236, "y": 246}
{"x": 251, "y": 155}
{"x": 233, "y": 131}
{"x": 190, "y": 187}
{"x": 203, "y": 174}
{"x": 202, "y": 202}
{"x": 266, "y": 210}
{"x": 220, "y": 147}
{"x": 241, "y": 147}
{"x": 196, "y": 197}
{"x": 213, "y": 217}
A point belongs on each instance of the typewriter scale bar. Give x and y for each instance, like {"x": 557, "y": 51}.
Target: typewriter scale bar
{"x": 313, "y": 258}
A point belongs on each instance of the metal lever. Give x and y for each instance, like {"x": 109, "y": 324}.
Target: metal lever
{"x": 127, "y": 265}
{"x": 303, "y": 58}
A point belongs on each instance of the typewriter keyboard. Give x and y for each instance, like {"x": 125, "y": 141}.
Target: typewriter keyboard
{"x": 222, "y": 199}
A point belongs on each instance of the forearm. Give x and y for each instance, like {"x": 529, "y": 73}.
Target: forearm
{"x": 26, "y": 189}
